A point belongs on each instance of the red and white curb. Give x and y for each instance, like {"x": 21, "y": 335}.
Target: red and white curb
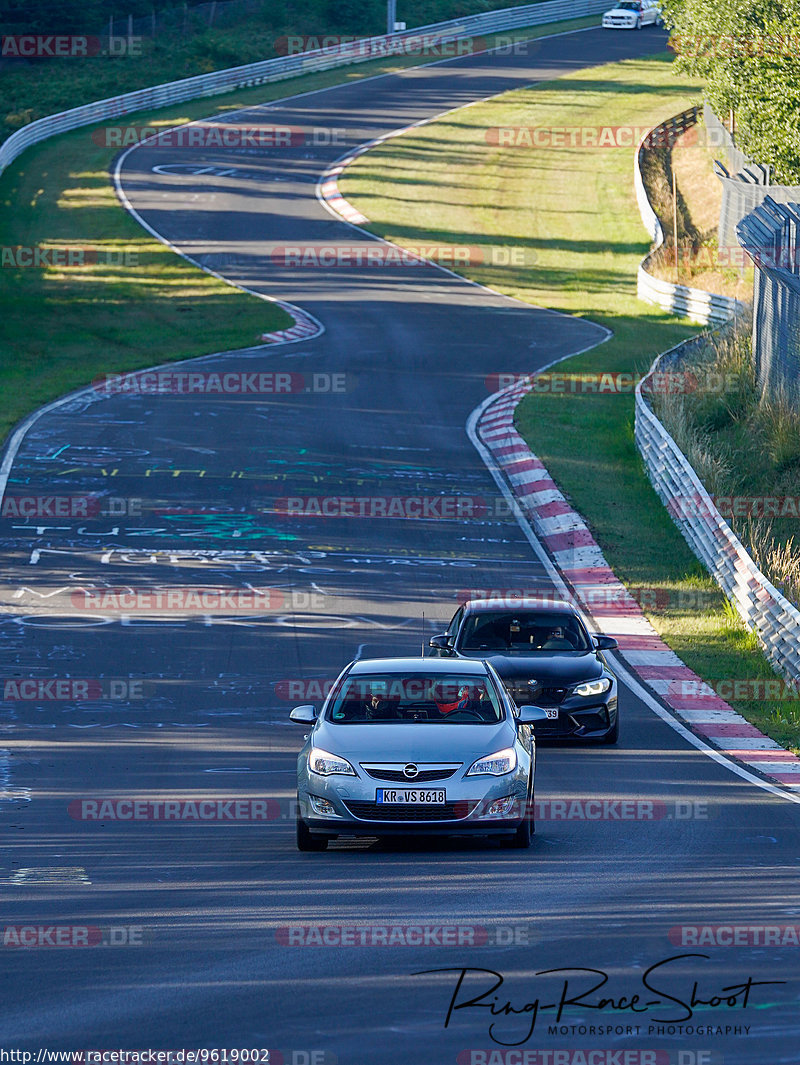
{"x": 616, "y": 613}
{"x": 305, "y": 327}
{"x": 328, "y": 190}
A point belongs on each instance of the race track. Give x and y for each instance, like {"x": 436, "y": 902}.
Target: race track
{"x": 202, "y": 488}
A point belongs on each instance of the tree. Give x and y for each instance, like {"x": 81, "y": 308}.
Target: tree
{"x": 748, "y": 52}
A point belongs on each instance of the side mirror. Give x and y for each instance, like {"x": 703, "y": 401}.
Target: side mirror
{"x": 605, "y": 643}
{"x": 439, "y": 642}
{"x": 304, "y": 715}
{"x": 529, "y": 714}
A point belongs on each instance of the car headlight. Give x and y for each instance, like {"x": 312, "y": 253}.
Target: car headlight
{"x": 494, "y": 765}
{"x": 593, "y": 687}
{"x": 325, "y": 764}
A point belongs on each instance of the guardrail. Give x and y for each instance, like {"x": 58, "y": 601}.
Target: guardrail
{"x": 771, "y": 237}
{"x": 694, "y": 303}
{"x": 761, "y": 606}
{"x": 291, "y": 66}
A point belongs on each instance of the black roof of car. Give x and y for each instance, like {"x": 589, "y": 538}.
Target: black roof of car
{"x": 505, "y": 606}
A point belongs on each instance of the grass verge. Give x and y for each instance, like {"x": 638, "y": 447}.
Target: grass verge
{"x": 64, "y": 327}
{"x": 574, "y": 212}
{"x": 701, "y": 262}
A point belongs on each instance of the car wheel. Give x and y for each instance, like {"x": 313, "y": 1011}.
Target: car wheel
{"x": 639, "y": 23}
{"x": 613, "y": 735}
{"x": 308, "y": 840}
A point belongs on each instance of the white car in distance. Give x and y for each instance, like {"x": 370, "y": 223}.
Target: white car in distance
{"x": 632, "y": 15}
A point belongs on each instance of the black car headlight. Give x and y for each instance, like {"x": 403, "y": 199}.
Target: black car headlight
{"x": 592, "y": 687}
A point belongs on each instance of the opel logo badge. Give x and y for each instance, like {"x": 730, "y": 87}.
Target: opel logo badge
{"x": 410, "y": 771}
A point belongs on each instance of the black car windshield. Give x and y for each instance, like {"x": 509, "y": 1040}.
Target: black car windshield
{"x": 523, "y": 633}
{"x": 628, "y": 5}
{"x": 438, "y": 698}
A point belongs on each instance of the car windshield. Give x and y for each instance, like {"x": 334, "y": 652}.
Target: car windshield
{"x": 437, "y": 698}
{"x": 628, "y": 5}
{"x": 523, "y": 633}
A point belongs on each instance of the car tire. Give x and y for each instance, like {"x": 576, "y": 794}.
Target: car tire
{"x": 523, "y": 837}
{"x": 308, "y": 840}
{"x": 639, "y": 23}
{"x": 613, "y": 735}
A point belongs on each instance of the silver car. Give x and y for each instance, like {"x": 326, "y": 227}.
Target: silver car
{"x": 416, "y": 745}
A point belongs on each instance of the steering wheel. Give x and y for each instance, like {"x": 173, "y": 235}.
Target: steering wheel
{"x": 466, "y": 710}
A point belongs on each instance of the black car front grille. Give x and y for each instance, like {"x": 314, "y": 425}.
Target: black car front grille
{"x": 423, "y": 775}
{"x": 449, "y": 811}
{"x": 592, "y": 722}
{"x": 542, "y": 697}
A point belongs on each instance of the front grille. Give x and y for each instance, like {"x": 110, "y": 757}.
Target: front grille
{"x": 593, "y": 722}
{"x": 553, "y": 727}
{"x": 544, "y": 697}
{"x": 398, "y": 775}
{"x": 449, "y": 811}
{"x": 423, "y": 775}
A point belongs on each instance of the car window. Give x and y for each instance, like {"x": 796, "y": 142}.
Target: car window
{"x": 452, "y": 628}
{"x": 628, "y": 5}
{"x": 523, "y": 633}
{"x": 436, "y": 698}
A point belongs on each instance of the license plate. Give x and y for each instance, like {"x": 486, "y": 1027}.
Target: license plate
{"x": 408, "y": 797}
{"x": 552, "y": 714}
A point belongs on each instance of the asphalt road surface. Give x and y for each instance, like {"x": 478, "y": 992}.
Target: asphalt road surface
{"x": 218, "y": 933}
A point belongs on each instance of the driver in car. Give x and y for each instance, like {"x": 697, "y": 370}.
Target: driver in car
{"x": 464, "y": 701}
{"x": 558, "y": 640}
{"x": 375, "y": 708}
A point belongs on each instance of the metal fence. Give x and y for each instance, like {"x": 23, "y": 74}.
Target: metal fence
{"x": 290, "y": 66}
{"x": 769, "y": 235}
{"x": 745, "y": 183}
{"x": 683, "y": 300}
{"x": 183, "y": 20}
{"x": 761, "y": 606}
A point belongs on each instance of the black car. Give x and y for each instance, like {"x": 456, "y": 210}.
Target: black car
{"x": 544, "y": 656}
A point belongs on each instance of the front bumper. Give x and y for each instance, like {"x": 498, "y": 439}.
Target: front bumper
{"x": 466, "y": 811}
{"x": 619, "y": 24}
{"x": 578, "y": 718}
